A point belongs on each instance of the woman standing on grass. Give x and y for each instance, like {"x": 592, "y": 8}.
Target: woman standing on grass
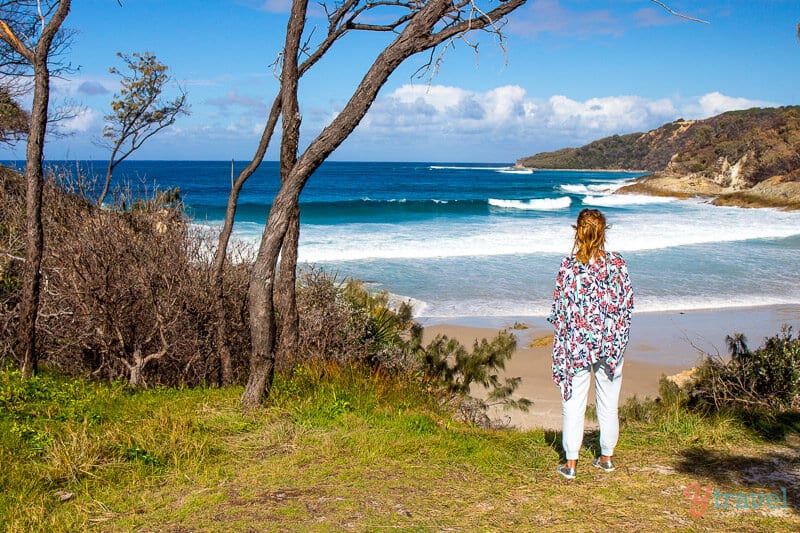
{"x": 591, "y": 314}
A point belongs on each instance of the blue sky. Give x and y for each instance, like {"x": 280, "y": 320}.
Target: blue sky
{"x": 573, "y": 71}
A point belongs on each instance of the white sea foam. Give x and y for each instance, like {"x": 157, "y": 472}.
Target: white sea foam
{"x": 445, "y": 167}
{"x": 514, "y": 170}
{"x": 593, "y": 188}
{"x": 669, "y": 225}
{"x": 542, "y": 204}
{"x": 505, "y": 308}
{"x": 418, "y": 307}
{"x": 617, "y": 200}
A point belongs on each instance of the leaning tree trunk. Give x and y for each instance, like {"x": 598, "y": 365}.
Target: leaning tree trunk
{"x": 262, "y": 284}
{"x": 34, "y": 233}
{"x": 289, "y": 333}
{"x": 109, "y": 174}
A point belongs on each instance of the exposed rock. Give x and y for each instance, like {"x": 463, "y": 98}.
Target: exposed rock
{"x": 772, "y": 192}
{"x": 777, "y": 191}
{"x": 666, "y": 184}
{"x": 683, "y": 378}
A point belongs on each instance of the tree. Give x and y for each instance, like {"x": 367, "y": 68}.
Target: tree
{"x": 13, "y": 119}
{"x": 38, "y": 23}
{"x": 418, "y": 27}
{"x": 138, "y": 111}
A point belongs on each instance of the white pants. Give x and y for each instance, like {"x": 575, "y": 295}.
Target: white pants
{"x": 606, "y": 402}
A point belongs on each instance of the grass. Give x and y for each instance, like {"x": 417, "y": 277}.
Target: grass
{"x": 341, "y": 449}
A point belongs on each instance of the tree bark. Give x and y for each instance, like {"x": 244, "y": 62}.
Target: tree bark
{"x": 220, "y": 254}
{"x": 289, "y": 333}
{"x": 262, "y": 283}
{"x": 34, "y": 182}
{"x": 34, "y": 233}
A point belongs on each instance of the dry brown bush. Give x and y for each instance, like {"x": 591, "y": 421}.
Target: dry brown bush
{"x": 12, "y": 250}
{"x": 126, "y": 291}
{"x": 331, "y": 326}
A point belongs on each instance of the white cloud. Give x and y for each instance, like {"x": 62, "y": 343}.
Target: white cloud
{"x": 84, "y": 120}
{"x": 715, "y": 103}
{"x": 507, "y": 110}
{"x": 444, "y": 123}
{"x": 607, "y": 114}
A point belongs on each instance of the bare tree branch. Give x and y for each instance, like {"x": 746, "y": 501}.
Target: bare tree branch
{"x": 681, "y": 15}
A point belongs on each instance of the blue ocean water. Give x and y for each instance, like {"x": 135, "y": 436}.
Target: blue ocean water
{"x": 485, "y": 240}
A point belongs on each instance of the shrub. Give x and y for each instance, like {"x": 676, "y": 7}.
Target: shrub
{"x": 767, "y": 379}
{"x": 126, "y": 290}
{"x": 12, "y": 224}
{"x": 331, "y": 326}
{"x": 344, "y": 322}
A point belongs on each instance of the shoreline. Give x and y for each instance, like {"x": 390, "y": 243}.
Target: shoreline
{"x": 611, "y": 170}
{"x": 661, "y": 343}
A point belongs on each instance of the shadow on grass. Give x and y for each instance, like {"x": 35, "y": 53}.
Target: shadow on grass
{"x": 771, "y": 474}
{"x": 591, "y": 441}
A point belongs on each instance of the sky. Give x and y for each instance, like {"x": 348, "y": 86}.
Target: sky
{"x": 570, "y": 72}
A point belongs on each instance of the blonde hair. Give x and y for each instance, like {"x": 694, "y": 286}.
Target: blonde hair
{"x": 590, "y": 236}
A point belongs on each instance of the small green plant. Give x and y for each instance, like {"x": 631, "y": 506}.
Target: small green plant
{"x": 337, "y": 406}
{"x": 419, "y": 424}
{"x": 34, "y": 441}
{"x": 137, "y": 453}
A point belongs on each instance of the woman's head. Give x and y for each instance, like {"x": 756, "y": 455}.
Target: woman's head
{"x": 590, "y": 235}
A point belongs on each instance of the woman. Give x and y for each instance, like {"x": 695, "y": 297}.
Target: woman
{"x": 591, "y": 314}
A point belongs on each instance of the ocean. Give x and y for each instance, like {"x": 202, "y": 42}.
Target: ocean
{"x": 485, "y": 240}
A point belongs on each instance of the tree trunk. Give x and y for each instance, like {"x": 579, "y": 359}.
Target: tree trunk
{"x": 262, "y": 311}
{"x": 136, "y": 379}
{"x": 262, "y": 283}
{"x": 34, "y": 182}
{"x": 289, "y": 334}
{"x": 34, "y": 233}
{"x": 109, "y": 173}
{"x": 222, "y": 333}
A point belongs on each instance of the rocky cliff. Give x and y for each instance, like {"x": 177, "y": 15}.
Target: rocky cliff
{"x": 748, "y": 158}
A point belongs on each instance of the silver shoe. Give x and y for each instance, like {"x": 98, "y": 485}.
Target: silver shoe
{"x": 565, "y": 471}
{"x": 605, "y": 466}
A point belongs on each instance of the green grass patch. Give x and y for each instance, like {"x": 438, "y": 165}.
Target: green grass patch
{"x": 342, "y": 448}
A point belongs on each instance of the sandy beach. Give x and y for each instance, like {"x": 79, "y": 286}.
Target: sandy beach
{"x": 660, "y": 344}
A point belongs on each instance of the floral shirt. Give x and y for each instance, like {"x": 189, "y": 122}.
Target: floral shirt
{"x": 591, "y": 313}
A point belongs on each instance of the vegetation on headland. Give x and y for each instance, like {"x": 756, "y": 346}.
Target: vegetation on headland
{"x": 747, "y": 158}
